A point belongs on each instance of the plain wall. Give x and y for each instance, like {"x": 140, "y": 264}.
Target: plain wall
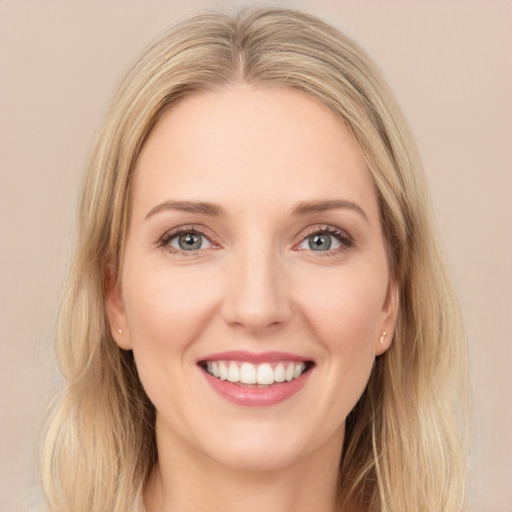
{"x": 449, "y": 63}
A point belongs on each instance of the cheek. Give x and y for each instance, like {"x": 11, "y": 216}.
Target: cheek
{"x": 344, "y": 305}
{"x": 344, "y": 311}
{"x": 166, "y": 308}
{"x": 166, "y": 312}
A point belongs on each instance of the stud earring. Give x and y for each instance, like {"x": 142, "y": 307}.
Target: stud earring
{"x": 382, "y": 337}
{"x": 120, "y": 331}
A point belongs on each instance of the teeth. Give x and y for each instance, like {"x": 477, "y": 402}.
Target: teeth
{"x": 279, "y": 373}
{"x": 298, "y": 371}
{"x": 233, "y": 373}
{"x": 223, "y": 371}
{"x": 248, "y": 373}
{"x": 265, "y": 374}
{"x": 288, "y": 373}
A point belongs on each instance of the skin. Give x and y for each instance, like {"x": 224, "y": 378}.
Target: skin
{"x": 256, "y": 285}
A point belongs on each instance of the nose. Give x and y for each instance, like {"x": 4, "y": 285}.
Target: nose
{"x": 257, "y": 297}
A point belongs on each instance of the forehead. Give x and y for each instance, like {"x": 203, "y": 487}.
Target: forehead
{"x": 250, "y": 145}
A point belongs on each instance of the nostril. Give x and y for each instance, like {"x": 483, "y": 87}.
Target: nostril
{"x": 257, "y": 325}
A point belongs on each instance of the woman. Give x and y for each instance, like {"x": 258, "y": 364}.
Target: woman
{"x": 257, "y": 314}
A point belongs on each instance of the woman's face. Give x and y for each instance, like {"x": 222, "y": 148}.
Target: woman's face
{"x": 254, "y": 254}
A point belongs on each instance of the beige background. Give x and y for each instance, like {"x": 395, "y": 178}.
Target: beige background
{"x": 450, "y": 65}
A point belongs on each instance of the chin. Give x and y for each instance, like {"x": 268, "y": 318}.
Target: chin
{"x": 259, "y": 448}
{"x": 252, "y": 458}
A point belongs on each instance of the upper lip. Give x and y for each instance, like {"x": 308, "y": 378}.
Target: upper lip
{"x": 253, "y": 357}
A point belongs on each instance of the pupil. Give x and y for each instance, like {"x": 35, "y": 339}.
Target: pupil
{"x": 320, "y": 242}
{"x": 190, "y": 242}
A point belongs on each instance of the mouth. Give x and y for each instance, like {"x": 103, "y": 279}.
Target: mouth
{"x": 256, "y": 375}
{"x": 260, "y": 380}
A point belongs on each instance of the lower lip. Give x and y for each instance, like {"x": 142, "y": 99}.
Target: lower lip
{"x": 254, "y": 396}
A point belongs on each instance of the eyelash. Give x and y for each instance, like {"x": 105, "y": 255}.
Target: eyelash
{"x": 346, "y": 241}
{"x": 164, "y": 242}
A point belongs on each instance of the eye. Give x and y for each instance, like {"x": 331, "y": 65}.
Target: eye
{"x": 189, "y": 241}
{"x": 320, "y": 242}
{"x": 326, "y": 239}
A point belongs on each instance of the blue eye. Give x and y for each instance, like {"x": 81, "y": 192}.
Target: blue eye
{"x": 328, "y": 239}
{"x": 320, "y": 242}
{"x": 188, "y": 241}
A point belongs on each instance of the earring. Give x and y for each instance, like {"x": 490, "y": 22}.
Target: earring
{"x": 382, "y": 337}
{"x": 120, "y": 331}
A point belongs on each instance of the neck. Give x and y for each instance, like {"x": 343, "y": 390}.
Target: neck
{"x": 185, "y": 481}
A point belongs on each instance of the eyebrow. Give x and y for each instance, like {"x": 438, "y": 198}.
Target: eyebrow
{"x": 215, "y": 210}
{"x": 310, "y": 207}
{"x": 199, "y": 207}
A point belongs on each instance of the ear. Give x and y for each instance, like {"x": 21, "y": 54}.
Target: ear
{"x": 388, "y": 318}
{"x": 116, "y": 313}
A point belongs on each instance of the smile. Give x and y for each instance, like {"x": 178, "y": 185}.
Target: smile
{"x": 246, "y": 373}
{"x": 257, "y": 380}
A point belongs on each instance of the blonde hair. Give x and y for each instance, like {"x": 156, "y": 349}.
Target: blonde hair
{"x": 404, "y": 448}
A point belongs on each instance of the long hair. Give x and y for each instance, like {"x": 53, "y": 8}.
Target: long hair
{"x": 404, "y": 446}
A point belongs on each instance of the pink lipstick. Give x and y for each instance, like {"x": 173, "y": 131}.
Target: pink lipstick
{"x": 256, "y": 379}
